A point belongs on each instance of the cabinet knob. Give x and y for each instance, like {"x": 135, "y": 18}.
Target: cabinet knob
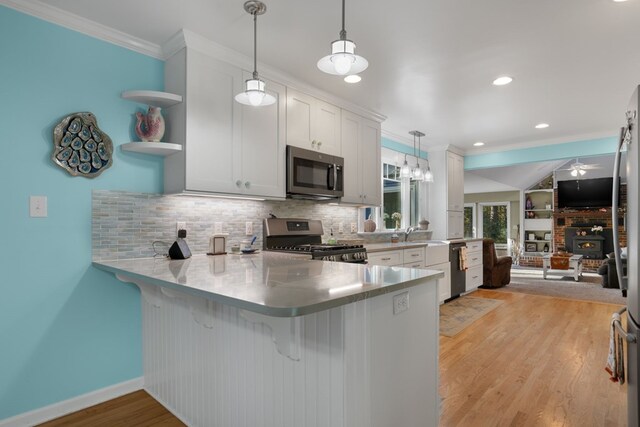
{"x": 365, "y": 196}
{"x": 313, "y": 142}
{"x": 238, "y": 183}
{"x": 319, "y": 143}
{"x": 247, "y": 184}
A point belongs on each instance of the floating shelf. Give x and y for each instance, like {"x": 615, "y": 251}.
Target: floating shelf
{"x": 153, "y": 98}
{"x": 154, "y": 148}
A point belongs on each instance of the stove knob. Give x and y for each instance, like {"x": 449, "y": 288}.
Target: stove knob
{"x": 333, "y": 257}
{"x": 325, "y": 258}
{"x": 356, "y": 255}
{"x": 345, "y": 257}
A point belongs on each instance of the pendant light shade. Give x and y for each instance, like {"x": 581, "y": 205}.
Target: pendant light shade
{"x": 405, "y": 170}
{"x": 343, "y": 59}
{"x": 254, "y": 93}
{"x": 428, "y": 176}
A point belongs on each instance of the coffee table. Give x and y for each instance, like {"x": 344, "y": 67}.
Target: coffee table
{"x": 575, "y": 264}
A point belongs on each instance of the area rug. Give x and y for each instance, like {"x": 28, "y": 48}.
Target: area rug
{"x": 461, "y": 312}
{"x": 530, "y": 281}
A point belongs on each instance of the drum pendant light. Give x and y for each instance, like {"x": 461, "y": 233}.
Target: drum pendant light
{"x": 343, "y": 59}
{"x": 254, "y": 93}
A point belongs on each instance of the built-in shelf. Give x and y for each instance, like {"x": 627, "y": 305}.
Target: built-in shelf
{"x": 154, "y": 148}
{"x": 153, "y": 98}
{"x": 536, "y": 241}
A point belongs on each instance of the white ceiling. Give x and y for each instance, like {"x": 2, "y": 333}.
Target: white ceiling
{"x": 574, "y": 62}
{"x": 522, "y": 177}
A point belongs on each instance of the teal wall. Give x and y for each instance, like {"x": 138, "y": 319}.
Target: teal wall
{"x": 65, "y": 327}
{"x": 585, "y": 148}
{"x": 400, "y": 147}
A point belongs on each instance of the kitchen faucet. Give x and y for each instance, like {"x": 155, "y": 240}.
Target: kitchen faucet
{"x": 407, "y": 232}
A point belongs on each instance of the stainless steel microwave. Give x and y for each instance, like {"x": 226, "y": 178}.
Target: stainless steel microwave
{"x": 314, "y": 175}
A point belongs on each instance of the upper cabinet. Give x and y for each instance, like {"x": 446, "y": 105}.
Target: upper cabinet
{"x": 228, "y": 147}
{"x": 361, "y": 152}
{"x": 447, "y": 190}
{"x": 455, "y": 182}
{"x": 313, "y": 124}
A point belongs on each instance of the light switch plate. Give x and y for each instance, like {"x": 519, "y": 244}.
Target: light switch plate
{"x": 354, "y": 227}
{"x": 38, "y": 206}
{"x": 248, "y": 228}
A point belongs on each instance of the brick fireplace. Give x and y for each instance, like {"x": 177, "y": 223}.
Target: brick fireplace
{"x": 567, "y": 224}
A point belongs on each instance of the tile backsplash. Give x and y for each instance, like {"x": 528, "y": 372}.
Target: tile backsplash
{"x": 125, "y": 225}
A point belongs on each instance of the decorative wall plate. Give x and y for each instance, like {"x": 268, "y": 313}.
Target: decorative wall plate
{"x": 80, "y": 147}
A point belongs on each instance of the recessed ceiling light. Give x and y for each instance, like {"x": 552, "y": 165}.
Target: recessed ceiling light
{"x": 353, "y": 78}
{"x": 542, "y": 125}
{"x": 478, "y": 144}
{"x": 619, "y": 1}
{"x": 501, "y": 81}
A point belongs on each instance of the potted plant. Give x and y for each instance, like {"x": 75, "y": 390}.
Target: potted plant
{"x": 397, "y": 217}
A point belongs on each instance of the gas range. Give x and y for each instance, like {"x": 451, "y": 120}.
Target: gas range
{"x": 305, "y": 236}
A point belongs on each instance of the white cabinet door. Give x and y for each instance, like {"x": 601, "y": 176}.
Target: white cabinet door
{"x": 473, "y": 278}
{"x": 361, "y": 151}
{"x": 325, "y": 125}
{"x": 387, "y": 258}
{"x": 444, "y": 284}
{"x": 312, "y": 124}
{"x": 299, "y": 112}
{"x": 455, "y": 182}
{"x": 212, "y": 123}
{"x": 351, "y": 137}
{"x": 455, "y": 225}
{"x": 371, "y": 172}
{"x": 260, "y": 156}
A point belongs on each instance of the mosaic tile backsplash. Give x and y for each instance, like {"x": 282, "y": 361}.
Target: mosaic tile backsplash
{"x": 125, "y": 225}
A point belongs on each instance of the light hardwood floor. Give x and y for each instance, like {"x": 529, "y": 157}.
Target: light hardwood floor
{"x": 533, "y": 361}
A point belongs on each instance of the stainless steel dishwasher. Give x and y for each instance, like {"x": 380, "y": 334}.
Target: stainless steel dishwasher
{"x": 458, "y": 277}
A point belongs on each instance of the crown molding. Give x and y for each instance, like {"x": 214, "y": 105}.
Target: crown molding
{"x": 447, "y": 147}
{"x": 85, "y": 26}
{"x": 186, "y": 38}
{"x": 397, "y": 138}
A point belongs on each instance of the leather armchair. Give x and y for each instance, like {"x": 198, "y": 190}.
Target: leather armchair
{"x": 609, "y": 274}
{"x": 496, "y": 271}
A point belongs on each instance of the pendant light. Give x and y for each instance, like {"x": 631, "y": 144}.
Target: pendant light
{"x": 254, "y": 93}
{"x": 405, "y": 170}
{"x": 343, "y": 59}
{"x": 427, "y": 176}
{"x": 416, "y": 173}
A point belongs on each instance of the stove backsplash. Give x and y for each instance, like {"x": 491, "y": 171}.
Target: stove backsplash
{"x": 124, "y": 224}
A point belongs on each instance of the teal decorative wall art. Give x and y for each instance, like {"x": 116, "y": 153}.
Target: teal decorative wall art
{"x": 80, "y": 147}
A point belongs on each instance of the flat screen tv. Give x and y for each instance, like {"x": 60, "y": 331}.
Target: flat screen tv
{"x": 585, "y": 193}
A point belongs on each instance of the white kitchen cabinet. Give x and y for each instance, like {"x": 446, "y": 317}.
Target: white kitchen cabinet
{"x": 444, "y": 284}
{"x": 386, "y": 258}
{"x": 313, "y": 124}
{"x": 455, "y": 182}
{"x": 446, "y": 194}
{"x": 455, "y": 225}
{"x": 361, "y": 152}
{"x": 229, "y": 148}
{"x": 414, "y": 255}
{"x": 473, "y": 275}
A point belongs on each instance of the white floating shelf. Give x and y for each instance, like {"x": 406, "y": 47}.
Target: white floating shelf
{"x": 154, "y": 148}
{"x": 153, "y": 98}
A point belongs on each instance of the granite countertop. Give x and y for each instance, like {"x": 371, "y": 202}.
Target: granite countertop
{"x": 381, "y": 247}
{"x": 273, "y": 284}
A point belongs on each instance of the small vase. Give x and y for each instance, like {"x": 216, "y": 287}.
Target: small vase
{"x": 397, "y": 225}
{"x": 150, "y": 126}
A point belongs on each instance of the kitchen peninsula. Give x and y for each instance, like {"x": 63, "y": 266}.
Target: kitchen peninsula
{"x": 280, "y": 340}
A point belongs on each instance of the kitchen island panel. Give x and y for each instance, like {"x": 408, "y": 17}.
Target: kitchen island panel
{"x": 355, "y": 365}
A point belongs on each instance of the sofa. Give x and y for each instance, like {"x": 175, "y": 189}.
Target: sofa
{"x": 496, "y": 271}
{"x": 608, "y": 271}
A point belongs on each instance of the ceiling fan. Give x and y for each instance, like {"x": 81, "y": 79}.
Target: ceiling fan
{"x": 578, "y": 169}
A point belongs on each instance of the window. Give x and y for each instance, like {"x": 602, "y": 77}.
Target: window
{"x": 469, "y": 220}
{"x": 404, "y": 196}
{"x": 391, "y": 194}
{"x": 494, "y": 222}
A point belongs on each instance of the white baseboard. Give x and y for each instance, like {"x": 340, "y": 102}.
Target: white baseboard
{"x": 77, "y": 403}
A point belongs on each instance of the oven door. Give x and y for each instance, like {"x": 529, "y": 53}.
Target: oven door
{"x": 311, "y": 174}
